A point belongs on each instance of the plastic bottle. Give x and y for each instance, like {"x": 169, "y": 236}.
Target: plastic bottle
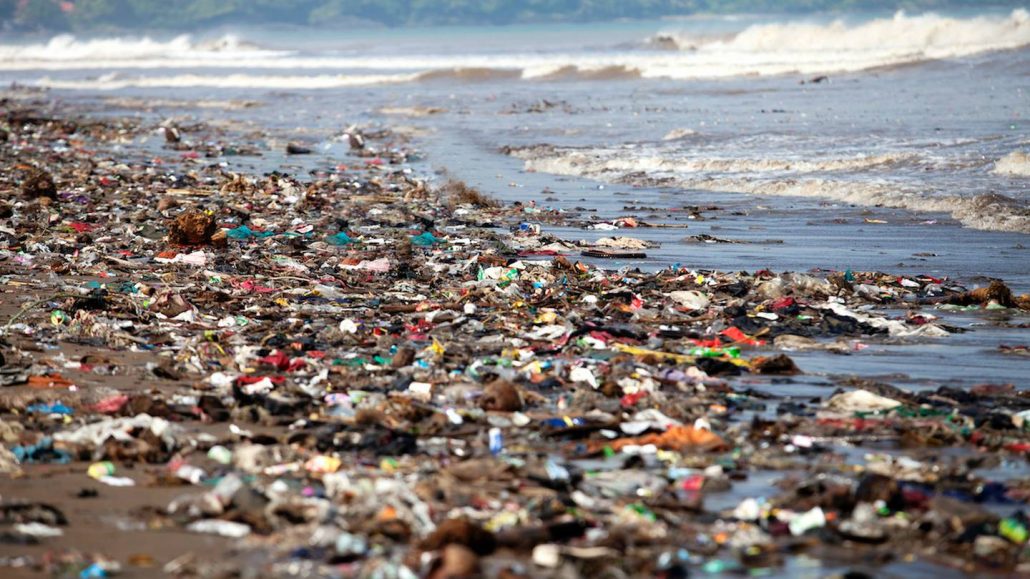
{"x": 496, "y": 441}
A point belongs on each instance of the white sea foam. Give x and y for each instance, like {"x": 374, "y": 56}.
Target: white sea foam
{"x": 767, "y": 49}
{"x": 70, "y": 51}
{"x": 1015, "y": 164}
{"x": 117, "y": 81}
{"x": 838, "y": 47}
{"x": 824, "y": 179}
{"x": 886, "y": 39}
{"x": 651, "y": 163}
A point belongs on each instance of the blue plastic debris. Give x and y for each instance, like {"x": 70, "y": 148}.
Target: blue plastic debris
{"x": 55, "y": 408}
{"x": 244, "y": 232}
{"x": 340, "y": 238}
{"x": 94, "y": 570}
{"x": 41, "y": 452}
{"x": 424, "y": 240}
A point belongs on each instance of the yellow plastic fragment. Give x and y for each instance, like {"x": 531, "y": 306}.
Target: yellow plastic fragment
{"x": 678, "y": 358}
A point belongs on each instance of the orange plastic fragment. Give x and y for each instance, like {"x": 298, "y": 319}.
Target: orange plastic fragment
{"x": 50, "y": 381}
{"x": 677, "y": 438}
{"x": 388, "y": 513}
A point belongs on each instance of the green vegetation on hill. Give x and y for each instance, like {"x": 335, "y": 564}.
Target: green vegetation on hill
{"x": 81, "y": 15}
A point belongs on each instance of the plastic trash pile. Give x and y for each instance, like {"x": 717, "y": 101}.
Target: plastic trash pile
{"x": 358, "y": 372}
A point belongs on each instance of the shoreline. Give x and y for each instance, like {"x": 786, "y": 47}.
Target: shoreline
{"x": 395, "y": 352}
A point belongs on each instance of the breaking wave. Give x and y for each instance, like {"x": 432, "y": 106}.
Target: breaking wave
{"x": 765, "y": 49}
{"x": 824, "y": 179}
{"x": 68, "y": 50}
{"x": 884, "y": 40}
{"x": 469, "y": 74}
{"x": 570, "y": 72}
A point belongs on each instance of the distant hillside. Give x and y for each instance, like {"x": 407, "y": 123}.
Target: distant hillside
{"x": 101, "y": 15}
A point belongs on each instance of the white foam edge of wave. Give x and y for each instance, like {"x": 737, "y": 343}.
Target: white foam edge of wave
{"x": 1015, "y": 164}
{"x": 768, "y": 49}
{"x": 617, "y": 163}
{"x": 69, "y": 50}
{"x": 927, "y": 32}
{"x": 542, "y": 67}
{"x": 989, "y": 212}
{"x": 113, "y": 82}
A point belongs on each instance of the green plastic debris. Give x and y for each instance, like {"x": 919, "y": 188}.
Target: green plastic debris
{"x": 643, "y": 511}
{"x": 244, "y": 232}
{"x": 1014, "y": 530}
{"x": 340, "y": 238}
{"x": 714, "y": 566}
{"x": 424, "y": 240}
{"x": 731, "y": 352}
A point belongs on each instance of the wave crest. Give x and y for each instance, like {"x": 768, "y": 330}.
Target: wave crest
{"x": 67, "y": 48}
{"x": 573, "y": 72}
{"x": 765, "y": 49}
{"x": 469, "y": 74}
{"x": 926, "y": 33}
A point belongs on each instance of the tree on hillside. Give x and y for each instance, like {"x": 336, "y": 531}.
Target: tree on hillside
{"x": 41, "y": 14}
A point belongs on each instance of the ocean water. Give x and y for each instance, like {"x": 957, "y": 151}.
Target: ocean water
{"x": 922, "y": 112}
{"x": 875, "y": 141}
